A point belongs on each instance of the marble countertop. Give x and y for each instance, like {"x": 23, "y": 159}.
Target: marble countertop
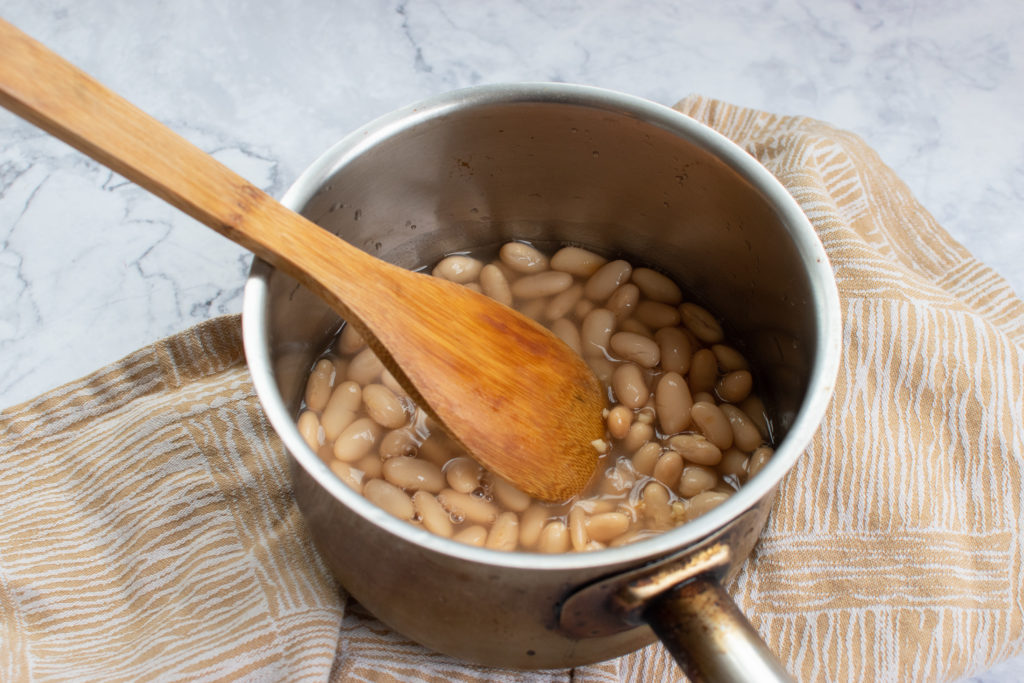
{"x": 91, "y": 267}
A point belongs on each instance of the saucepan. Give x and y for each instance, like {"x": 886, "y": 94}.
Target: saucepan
{"x": 557, "y": 164}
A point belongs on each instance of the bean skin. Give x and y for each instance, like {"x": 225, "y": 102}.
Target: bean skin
{"x": 432, "y": 514}
{"x": 607, "y": 278}
{"x": 713, "y": 423}
{"x": 675, "y": 348}
{"x": 523, "y": 258}
{"x": 701, "y": 323}
{"x": 596, "y": 330}
{"x": 413, "y": 474}
{"x": 390, "y": 498}
{"x": 458, "y": 269}
{"x": 629, "y": 386}
{"x": 636, "y": 348}
{"x": 673, "y": 403}
{"x": 657, "y": 287}
{"x": 577, "y": 261}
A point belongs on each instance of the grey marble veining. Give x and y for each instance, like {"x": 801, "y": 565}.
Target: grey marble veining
{"x": 91, "y": 267}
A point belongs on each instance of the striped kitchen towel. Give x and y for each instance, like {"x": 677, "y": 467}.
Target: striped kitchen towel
{"x": 147, "y": 530}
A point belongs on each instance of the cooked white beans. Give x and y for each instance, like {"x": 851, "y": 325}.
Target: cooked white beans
{"x": 699, "y": 321}
{"x": 713, "y": 423}
{"x": 463, "y": 474}
{"x": 390, "y": 497}
{"x": 619, "y": 420}
{"x": 309, "y": 428}
{"x": 350, "y": 341}
{"x": 384, "y": 407}
{"x": 623, "y": 301}
{"x": 413, "y": 474}
{"x": 318, "y": 388}
{"x": 365, "y": 367}
{"x": 634, "y": 347}
{"x": 522, "y": 257}
{"x": 735, "y": 386}
{"x": 656, "y": 315}
{"x": 508, "y": 495}
{"x": 548, "y": 283}
{"x": 629, "y": 385}
{"x": 432, "y": 514}
{"x": 356, "y": 440}
{"x": 703, "y": 371}
{"x": 460, "y": 269}
{"x": 504, "y": 533}
{"x": 468, "y": 507}
{"x": 685, "y": 427}
{"x": 744, "y": 434}
{"x": 567, "y": 332}
{"x": 494, "y": 284}
{"x": 560, "y": 305}
{"x": 672, "y": 402}
{"x": 596, "y": 330}
{"x": 577, "y": 261}
{"x": 607, "y": 278}
{"x": 696, "y": 449}
{"x": 657, "y": 287}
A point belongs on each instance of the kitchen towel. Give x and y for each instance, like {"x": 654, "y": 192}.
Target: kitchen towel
{"x": 147, "y": 530}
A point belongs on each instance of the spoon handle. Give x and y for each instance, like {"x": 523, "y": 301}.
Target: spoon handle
{"x": 53, "y": 94}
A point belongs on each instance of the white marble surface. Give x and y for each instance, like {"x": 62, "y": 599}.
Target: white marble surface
{"x": 92, "y": 267}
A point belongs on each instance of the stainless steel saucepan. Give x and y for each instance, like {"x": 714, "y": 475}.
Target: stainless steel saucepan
{"x": 555, "y": 164}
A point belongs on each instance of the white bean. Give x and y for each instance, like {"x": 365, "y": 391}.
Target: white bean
{"x": 531, "y": 524}
{"x": 463, "y": 474}
{"x": 495, "y": 285}
{"x": 735, "y": 386}
{"x": 657, "y": 287}
{"x": 508, "y": 495}
{"x": 554, "y": 538}
{"x": 701, "y": 323}
{"x": 744, "y": 432}
{"x": 668, "y": 468}
{"x": 384, "y": 407}
{"x": 318, "y": 387}
{"x": 389, "y": 498}
{"x": 636, "y": 348}
{"x": 413, "y": 474}
{"x": 596, "y": 330}
{"x": 758, "y": 459}
{"x": 565, "y": 330}
{"x": 656, "y": 315}
{"x": 623, "y": 301}
{"x": 468, "y": 507}
{"x": 704, "y": 502}
{"x": 606, "y": 279}
{"x": 673, "y": 403}
{"x": 713, "y": 423}
{"x": 310, "y": 430}
{"x": 522, "y": 257}
{"x": 365, "y": 367}
{"x": 695, "y": 479}
{"x": 432, "y": 514}
{"x": 729, "y": 359}
{"x": 579, "y": 262}
{"x": 350, "y": 340}
{"x": 504, "y": 533}
{"x": 629, "y": 385}
{"x": 356, "y": 440}
{"x": 458, "y": 268}
{"x": 639, "y": 434}
{"x": 703, "y": 372}
{"x": 398, "y": 443}
{"x": 547, "y": 283}
{"x": 607, "y": 526}
{"x": 675, "y": 349}
{"x": 619, "y": 420}
{"x": 577, "y": 524}
{"x": 472, "y": 535}
{"x": 646, "y": 457}
{"x": 696, "y": 448}
{"x": 562, "y": 304}
{"x": 352, "y": 477}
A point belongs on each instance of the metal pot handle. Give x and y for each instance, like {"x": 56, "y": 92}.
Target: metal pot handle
{"x": 685, "y": 605}
{"x": 709, "y": 637}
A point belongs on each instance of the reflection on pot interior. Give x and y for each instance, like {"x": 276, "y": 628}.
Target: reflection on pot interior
{"x": 685, "y": 427}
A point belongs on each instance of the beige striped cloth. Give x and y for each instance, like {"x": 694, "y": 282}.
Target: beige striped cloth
{"x": 147, "y": 531}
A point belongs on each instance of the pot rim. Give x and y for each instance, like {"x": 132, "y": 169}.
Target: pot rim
{"x": 823, "y": 287}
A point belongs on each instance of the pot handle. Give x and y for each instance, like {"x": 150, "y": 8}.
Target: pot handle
{"x": 709, "y": 637}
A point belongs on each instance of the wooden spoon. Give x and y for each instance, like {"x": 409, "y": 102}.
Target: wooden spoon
{"x": 517, "y": 398}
